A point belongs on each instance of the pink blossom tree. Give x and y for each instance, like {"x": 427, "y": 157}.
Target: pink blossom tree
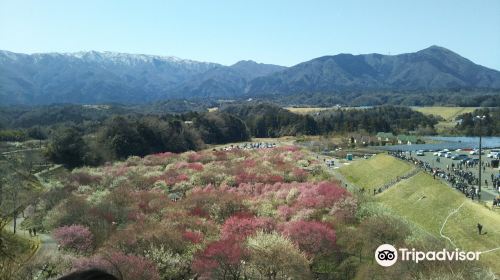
{"x": 75, "y": 237}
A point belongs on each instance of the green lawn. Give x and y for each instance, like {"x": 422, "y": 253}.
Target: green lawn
{"x": 427, "y": 202}
{"x": 375, "y": 171}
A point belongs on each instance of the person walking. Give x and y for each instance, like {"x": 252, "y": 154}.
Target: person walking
{"x": 479, "y": 228}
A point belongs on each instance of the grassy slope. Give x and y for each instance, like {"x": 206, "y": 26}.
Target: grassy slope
{"x": 18, "y": 245}
{"x": 375, "y": 171}
{"x": 431, "y": 211}
{"x": 19, "y": 248}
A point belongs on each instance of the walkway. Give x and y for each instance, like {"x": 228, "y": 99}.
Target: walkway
{"x": 45, "y": 244}
{"x": 406, "y": 176}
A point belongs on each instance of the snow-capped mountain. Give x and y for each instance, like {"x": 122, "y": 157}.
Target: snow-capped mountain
{"x": 102, "y": 77}
{"x": 92, "y": 77}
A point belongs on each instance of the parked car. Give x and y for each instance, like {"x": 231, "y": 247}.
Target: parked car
{"x": 420, "y": 153}
{"x": 494, "y": 153}
{"x": 476, "y": 152}
{"x": 448, "y": 155}
{"x": 459, "y": 156}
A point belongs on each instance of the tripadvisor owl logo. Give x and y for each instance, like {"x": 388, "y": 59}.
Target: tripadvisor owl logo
{"x": 386, "y": 255}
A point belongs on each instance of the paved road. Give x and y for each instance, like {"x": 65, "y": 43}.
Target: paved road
{"x": 19, "y": 151}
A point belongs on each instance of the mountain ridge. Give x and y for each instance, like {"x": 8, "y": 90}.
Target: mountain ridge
{"x": 100, "y": 77}
{"x": 428, "y": 69}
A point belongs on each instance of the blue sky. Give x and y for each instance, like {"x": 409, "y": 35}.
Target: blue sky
{"x": 269, "y": 31}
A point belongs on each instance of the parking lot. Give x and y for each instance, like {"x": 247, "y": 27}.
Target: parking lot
{"x": 488, "y": 192}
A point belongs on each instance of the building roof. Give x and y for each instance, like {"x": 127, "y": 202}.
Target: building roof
{"x": 385, "y": 135}
{"x": 407, "y": 138}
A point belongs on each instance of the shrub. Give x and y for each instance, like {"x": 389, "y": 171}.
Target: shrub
{"x": 126, "y": 267}
{"x": 272, "y": 256}
{"x": 170, "y": 265}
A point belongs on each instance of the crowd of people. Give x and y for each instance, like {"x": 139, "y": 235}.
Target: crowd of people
{"x": 394, "y": 181}
{"x": 458, "y": 175}
{"x": 250, "y": 146}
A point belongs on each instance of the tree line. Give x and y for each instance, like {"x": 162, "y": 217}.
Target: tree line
{"x": 377, "y": 119}
{"x": 86, "y": 138}
{"x": 458, "y": 97}
{"x": 468, "y": 123}
{"x": 122, "y": 136}
{"x": 266, "y": 120}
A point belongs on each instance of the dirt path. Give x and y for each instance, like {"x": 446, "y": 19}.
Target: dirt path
{"x": 446, "y": 220}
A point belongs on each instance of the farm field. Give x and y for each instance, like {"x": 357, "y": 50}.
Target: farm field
{"x": 427, "y": 202}
{"x": 375, "y": 171}
{"x": 447, "y": 113}
{"x": 308, "y": 110}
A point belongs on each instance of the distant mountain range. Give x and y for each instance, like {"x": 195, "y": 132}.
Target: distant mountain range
{"x": 104, "y": 77}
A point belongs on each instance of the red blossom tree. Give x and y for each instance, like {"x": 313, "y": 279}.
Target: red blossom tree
{"x": 286, "y": 212}
{"x": 246, "y": 177}
{"x": 321, "y": 195}
{"x": 299, "y": 174}
{"x": 314, "y": 238}
{"x": 195, "y": 166}
{"x": 239, "y": 228}
{"x": 220, "y": 260}
{"x": 194, "y": 157}
{"x": 220, "y": 155}
{"x": 193, "y": 236}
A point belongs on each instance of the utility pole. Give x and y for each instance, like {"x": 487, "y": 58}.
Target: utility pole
{"x": 480, "y": 151}
{"x": 480, "y": 118}
{"x": 14, "y": 196}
